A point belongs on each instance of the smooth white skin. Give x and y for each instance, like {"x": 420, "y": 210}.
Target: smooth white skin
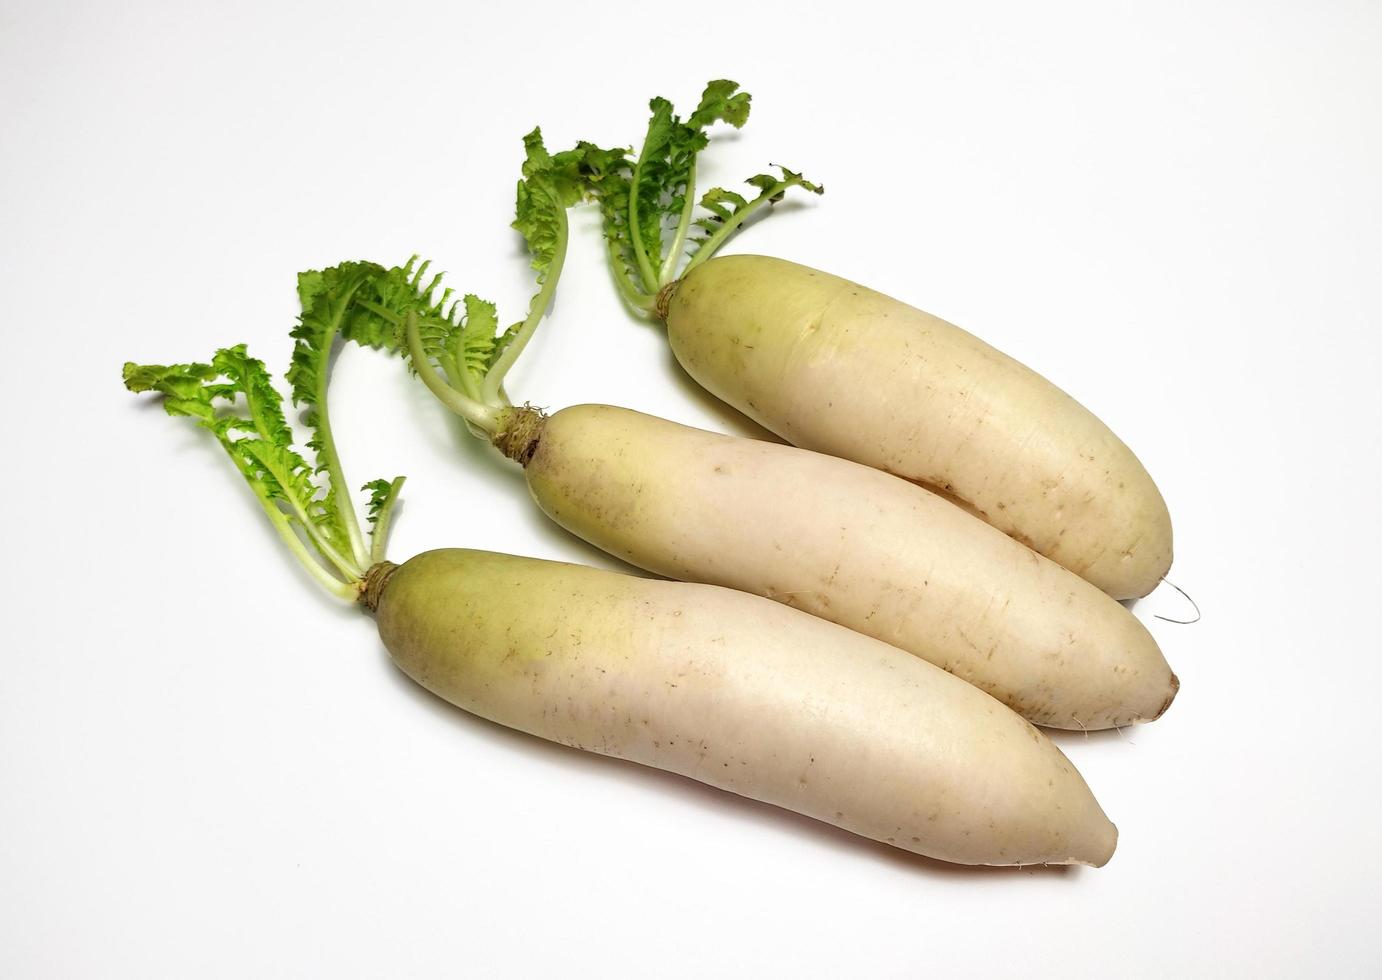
{"x": 855, "y": 546}
{"x": 745, "y": 695}
{"x": 832, "y": 366}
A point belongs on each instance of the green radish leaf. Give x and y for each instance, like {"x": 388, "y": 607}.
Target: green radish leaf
{"x": 379, "y": 510}
{"x": 327, "y": 298}
{"x": 457, "y": 347}
{"x": 647, "y": 203}
{"x": 607, "y": 177}
{"x": 379, "y": 493}
{"x": 457, "y": 334}
{"x": 463, "y": 337}
{"x": 256, "y": 436}
{"x": 475, "y": 344}
{"x": 726, "y": 211}
{"x": 235, "y": 399}
{"x": 549, "y": 186}
{"x": 721, "y": 102}
{"x": 183, "y": 386}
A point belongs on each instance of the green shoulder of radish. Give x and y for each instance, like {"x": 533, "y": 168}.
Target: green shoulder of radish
{"x": 833, "y": 366}
{"x": 842, "y": 541}
{"x": 726, "y": 688}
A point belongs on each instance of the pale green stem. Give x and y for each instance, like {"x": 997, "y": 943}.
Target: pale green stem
{"x": 379, "y": 539}
{"x": 635, "y": 297}
{"x": 459, "y": 379}
{"x": 344, "y": 511}
{"x": 668, "y": 271}
{"x": 640, "y": 254}
{"x": 711, "y": 244}
{"x": 488, "y": 418}
{"x": 346, "y": 566}
{"x": 341, "y": 590}
{"x": 492, "y": 392}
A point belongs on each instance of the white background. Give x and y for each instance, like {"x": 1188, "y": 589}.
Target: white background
{"x": 207, "y": 768}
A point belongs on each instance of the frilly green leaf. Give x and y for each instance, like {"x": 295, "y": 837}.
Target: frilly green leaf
{"x": 234, "y": 397}
{"x": 647, "y": 203}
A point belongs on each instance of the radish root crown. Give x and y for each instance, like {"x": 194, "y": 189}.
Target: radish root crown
{"x": 372, "y": 587}
{"x": 519, "y": 440}
{"x": 664, "y": 298}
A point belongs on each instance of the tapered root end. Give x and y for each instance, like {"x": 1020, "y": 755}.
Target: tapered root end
{"x": 1175, "y": 689}
{"x": 1090, "y": 847}
{"x": 1153, "y": 703}
{"x": 1146, "y": 703}
{"x": 1101, "y": 848}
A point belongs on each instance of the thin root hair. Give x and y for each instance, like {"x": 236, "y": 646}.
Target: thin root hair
{"x": 1180, "y": 622}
